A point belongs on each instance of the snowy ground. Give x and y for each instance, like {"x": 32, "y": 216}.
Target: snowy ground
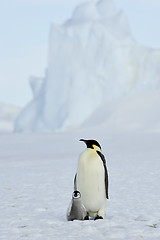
{"x": 36, "y": 182}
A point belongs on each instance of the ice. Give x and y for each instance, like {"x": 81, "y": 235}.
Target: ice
{"x": 106, "y": 8}
{"x": 8, "y": 114}
{"x": 85, "y": 12}
{"x": 137, "y": 112}
{"x": 93, "y": 59}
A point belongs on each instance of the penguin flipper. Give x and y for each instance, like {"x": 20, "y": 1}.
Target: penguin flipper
{"x": 75, "y": 182}
{"x": 69, "y": 218}
{"x": 106, "y": 173}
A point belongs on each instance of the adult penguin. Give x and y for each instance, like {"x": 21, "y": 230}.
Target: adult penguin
{"x": 91, "y": 180}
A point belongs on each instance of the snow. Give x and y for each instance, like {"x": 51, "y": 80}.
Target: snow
{"x": 36, "y": 179}
{"x": 93, "y": 59}
{"x": 37, "y": 172}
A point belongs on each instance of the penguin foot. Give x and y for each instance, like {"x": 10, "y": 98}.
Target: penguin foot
{"x": 98, "y": 217}
{"x": 86, "y": 218}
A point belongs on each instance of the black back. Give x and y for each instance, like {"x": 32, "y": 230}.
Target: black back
{"x": 106, "y": 173}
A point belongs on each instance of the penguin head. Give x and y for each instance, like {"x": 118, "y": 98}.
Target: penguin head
{"x": 76, "y": 194}
{"x": 93, "y": 144}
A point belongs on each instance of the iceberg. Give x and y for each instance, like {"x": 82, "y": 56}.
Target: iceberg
{"x": 8, "y": 114}
{"x": 93, "y": 59}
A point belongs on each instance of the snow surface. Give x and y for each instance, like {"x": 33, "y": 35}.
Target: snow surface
{"x": 37, "y": 171}
{"x": 93, "y": 59}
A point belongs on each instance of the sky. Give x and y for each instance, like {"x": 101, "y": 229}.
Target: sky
{"x": 24, "y": 33}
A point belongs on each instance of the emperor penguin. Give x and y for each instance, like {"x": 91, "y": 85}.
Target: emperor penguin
{"x": 91, "y": 180}
{"x": 76, "y": 210}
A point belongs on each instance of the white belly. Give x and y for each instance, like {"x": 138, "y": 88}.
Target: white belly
{"x": 90, "y": 180}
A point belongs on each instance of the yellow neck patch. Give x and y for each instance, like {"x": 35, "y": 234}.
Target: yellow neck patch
{"x": 96, "y": 147}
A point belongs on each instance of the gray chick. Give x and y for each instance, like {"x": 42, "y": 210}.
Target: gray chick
{"x": 76, "y": 210}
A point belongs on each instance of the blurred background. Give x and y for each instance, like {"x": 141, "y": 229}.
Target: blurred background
{"x": 24, "y": 42}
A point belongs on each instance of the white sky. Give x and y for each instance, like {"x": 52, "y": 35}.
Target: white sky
{"x": 24, "y": 31}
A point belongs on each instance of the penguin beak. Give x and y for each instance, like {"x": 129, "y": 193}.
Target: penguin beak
{"x": 83, "y": 140}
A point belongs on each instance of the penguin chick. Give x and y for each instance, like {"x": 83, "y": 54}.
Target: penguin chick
{"x": 76, "y": 210}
